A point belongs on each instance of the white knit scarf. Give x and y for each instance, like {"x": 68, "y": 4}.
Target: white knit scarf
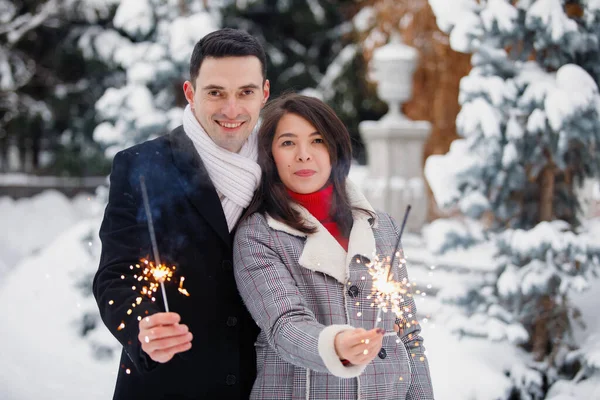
{"x": 235, "y": 175}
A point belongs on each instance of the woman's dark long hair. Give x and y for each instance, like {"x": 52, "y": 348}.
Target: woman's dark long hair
{"x": 271, "y": 196}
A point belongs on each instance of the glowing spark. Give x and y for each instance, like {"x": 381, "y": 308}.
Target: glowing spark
{"x": 155, "y": 276}
{"x": 121, "y": 326}
{"x": 111, "y": 302}
{"x": 128, "y": 371}
{"x": 181, "y": 289}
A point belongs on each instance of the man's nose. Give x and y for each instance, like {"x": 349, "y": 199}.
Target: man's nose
{"x": 230, "y": 109}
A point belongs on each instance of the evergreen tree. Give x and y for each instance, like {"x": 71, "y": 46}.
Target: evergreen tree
{"x": 530, "y": 127}
{"x": 149, "y": 43}
{"x": 47, "y": 89}
{"x": 311, "y": 48}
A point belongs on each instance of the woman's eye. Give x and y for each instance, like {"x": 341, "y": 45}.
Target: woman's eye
{"x": 319, "y": 140}
{"x": 287, "y": 143}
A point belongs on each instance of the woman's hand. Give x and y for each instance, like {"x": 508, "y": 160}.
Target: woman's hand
{"x": 358, "y": 346}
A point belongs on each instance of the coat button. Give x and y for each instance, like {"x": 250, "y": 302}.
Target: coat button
{"x": 382, "y": 354}
{"x": 227, "y": 265}
{"x": 230, "y": 380}
{"x": 231, "y": 321}
{"x": 353, "y": 291}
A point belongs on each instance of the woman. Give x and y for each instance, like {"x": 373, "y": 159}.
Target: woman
{"x": 300, "y": 258}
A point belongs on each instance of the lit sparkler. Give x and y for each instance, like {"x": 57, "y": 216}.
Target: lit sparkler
{"x": 159, "y": 272}
{"x": 388, "y": 294}
{"x": 151, "y": 275}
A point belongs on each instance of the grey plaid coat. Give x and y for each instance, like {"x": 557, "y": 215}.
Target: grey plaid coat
{"x": 304, "y": 289}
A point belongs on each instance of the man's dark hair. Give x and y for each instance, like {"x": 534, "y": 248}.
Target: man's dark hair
{"x": 272, "y": 197}
{"x": 226, "y": 43}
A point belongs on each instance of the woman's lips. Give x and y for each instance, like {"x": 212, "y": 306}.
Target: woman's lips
{"x": 305, "y": 173}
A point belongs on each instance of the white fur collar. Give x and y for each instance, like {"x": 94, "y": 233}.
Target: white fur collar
{"x": 322, "y": 252}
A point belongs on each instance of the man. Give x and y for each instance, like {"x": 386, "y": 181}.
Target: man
{"x": 199, "y": 179}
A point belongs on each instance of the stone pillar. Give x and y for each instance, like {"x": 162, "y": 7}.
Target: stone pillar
{"x": 395, "y": 144}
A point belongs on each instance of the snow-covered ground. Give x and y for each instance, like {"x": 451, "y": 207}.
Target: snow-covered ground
{"x": 50, "y": 249}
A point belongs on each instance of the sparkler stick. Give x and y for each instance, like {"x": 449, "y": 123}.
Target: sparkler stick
{"x": 389, "y": 272}
{"x": 161, "y": 280}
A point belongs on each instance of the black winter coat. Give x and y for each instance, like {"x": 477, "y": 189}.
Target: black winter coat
{"x": 192, "y": 234}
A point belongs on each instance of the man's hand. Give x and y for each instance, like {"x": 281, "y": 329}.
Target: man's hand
{"x": 358, "y": 346}
{"x": 162, "y": 336}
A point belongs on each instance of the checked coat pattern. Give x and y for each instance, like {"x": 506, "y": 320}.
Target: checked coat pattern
{"x": 303, "y": 289}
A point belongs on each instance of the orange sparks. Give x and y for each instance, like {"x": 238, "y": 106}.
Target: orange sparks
{"x": 181, "y": 289}
{"x": 389, "y": 294}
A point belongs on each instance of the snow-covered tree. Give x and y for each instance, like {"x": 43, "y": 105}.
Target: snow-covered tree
{"x": 47, "y": 90}
{"x": 530, "y": 127}
{"x": 150, "y": 42}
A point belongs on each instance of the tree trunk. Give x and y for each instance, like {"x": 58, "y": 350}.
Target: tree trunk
{"x": 541, "y": 339}
{"x": 547, "y": 179}
{"x": 542, "y": 334}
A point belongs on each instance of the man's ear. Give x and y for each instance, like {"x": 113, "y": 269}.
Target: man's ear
{"x": 266, "y": 91}
{"x": 188, "y": 91}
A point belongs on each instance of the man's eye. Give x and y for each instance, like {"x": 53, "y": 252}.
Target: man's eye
{"x": 214, "y": 93}
{"x": 248, "y": 92}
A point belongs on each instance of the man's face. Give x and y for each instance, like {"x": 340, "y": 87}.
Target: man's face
{"x": 227, "y": 99}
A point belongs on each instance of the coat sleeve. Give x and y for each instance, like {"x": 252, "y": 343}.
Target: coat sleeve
{"x": 410, "y": 333}
{"x": 123, "y": 239}
{"x": 279, "y": 309}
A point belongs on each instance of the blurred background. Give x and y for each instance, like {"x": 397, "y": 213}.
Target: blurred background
{"x": 484, "y": 115}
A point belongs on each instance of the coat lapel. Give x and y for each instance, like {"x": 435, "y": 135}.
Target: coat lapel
{"x": 196, "y": 183}
{"x": 322, "y": 252}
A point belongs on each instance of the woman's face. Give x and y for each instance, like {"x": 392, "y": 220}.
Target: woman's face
{"x": 300, "y": 154}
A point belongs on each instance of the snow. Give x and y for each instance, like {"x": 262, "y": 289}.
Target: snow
{"x": 105, "y": 132}
{"x": 364, "y": 19}
{"x": 41, "y": 326}
{"x": 492, "y": 86}
{"x": 333, "y": 72}
{"x": 185, "y": 31}
{"x": 479, "y": 116}
{"x": 443, "y": 171}
{"x": 448, "y": 14}
{"x": 536, "y": 123}
{"x": 510, "y": 155}
{"x": 34, "y": 222}
{"x": 317, "y": 10}
{"x": 7, "y": 11}
{"x": 45, "y": 290}
{"x": 501, "y": 14}
{"x": 135, "y": 17}
{"x": 464, "y": 36}
{"x": 141, "y": 73}
{"x": 549, "y": 13}
{"x": 575, "y": 92}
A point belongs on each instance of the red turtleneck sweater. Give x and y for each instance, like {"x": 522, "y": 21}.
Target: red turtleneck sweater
{"x": 319, "y": 205}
